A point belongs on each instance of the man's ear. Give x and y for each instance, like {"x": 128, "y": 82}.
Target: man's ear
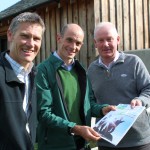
{"x": 118, "y": 39}
{"x": 59, "y": 37}
{"x": 9, "y": 35}
{"x": 95, "y": 43}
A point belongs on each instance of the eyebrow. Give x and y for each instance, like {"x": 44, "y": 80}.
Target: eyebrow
{"x": 69, "y": 38}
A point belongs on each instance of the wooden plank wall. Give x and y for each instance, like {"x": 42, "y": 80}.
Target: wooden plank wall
{"x": 131, "y": 17}
{"x": 56, "y": 15}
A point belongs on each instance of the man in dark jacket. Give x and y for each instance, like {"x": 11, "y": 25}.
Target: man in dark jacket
{"x": 17, "y": 91}
{"x": 65, "y": 99}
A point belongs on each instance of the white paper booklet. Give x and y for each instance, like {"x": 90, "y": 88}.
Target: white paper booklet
{"x": 113, "y": 126}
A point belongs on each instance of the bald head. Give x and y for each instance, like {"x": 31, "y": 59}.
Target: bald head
{"x": 105, "y": 26}
{"x": 72, "y": 27}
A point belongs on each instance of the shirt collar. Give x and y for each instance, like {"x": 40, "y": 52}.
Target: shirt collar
{"x": 18, "y": 69}
{"x": 110, "y": 64}
{"x": 67, "y": 67}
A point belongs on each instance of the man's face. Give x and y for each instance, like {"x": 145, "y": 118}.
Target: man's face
{"x": 70, "y": 44}
{"x": 25, "y": 43}
{"x": 106, "y": 41}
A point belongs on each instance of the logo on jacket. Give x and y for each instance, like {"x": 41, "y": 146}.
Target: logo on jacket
{"x": 123, "y": 75}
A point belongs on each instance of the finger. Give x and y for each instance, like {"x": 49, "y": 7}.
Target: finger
{"x": 136, "y": 102}
{"x": 133, "y": 103}
{"x": 139, "y": 103}
{"x": 108, "y": 109}
{"x": 94, "y": 136}
{"x": 93, "y": 132}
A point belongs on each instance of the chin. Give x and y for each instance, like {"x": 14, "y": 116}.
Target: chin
{"x": 71, "y": 56}
{"x": 28, "y": 60}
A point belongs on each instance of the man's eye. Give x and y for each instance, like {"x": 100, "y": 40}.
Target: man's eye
{"x": 110, "y": 39}
{"x": 78, "y": 43}
{"x": 37, "y": 39}
{"x": 69, "y": 40}
{"x": 24, "y": 36}
{"x": 101, "y": 40}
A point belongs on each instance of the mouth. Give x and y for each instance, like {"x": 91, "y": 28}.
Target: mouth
{"x": 107, "y": 50}
{"x": 71, "y": 52}
{"x": 28, "y": 51}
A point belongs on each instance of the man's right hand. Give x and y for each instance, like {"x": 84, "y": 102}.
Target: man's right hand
{"x": 86, "y": 132}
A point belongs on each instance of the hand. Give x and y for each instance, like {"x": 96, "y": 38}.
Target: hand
{"x": 136, "y": 102}
{"x": 86, "y": 132}
{"x": 107, "y": 109}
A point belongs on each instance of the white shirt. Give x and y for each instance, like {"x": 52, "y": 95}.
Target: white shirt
{"x": 111, "y": 63}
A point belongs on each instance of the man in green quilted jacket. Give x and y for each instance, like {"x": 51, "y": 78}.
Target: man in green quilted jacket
{"x": 65, "y": 100}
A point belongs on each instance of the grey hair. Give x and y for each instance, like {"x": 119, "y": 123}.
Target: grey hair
{"x": 25, "y": 18}
{"x": 103, "y": 24}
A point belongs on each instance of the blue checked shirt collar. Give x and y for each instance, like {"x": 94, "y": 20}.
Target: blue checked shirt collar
{"x": 67, "y": 67}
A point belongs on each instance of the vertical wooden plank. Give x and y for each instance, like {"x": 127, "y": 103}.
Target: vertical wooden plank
{"x": 57, "y": 19}
{"x": 42, "y": 52}
{"x": 139, "y": 24}
{"x": 83, "y": 24}
{"x": 126, "y": 24}
{"x": 72, "y": 1}
{"x": 75, "y": 10}
{"x": 132, "y": 25}
{"x": 63, "y": 15}
{"x": 75, "y": 18}
{"x": 119, "y": 23}
{"x": 47, "y": 32}
{"x": 96, "y": 12}
{"x": 145, "y": 23}
{"x": 58, "y": 28}
{"x": 69, "y": 13}
{"x": 91, "y": 51}
{"x": 97, "y": 18}
{"x": 112, "y": 11}
{"x": 53, "y": 30}
{"x": 104, "y": 8}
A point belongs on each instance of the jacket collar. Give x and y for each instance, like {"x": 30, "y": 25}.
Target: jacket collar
{"x": 9, "y": 73}
{"x": 58, "y": 63}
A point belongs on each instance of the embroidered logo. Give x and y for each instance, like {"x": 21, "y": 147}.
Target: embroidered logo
{"x": 123, "y": 75}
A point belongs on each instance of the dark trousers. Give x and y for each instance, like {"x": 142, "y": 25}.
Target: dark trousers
{"x": 143, "y": 147}
{"x": 80, "y": 143}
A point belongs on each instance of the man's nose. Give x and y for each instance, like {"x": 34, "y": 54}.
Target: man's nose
{"x": 30, "y": 42}
{"x": 73, "y": 45}
{"x": 106, "y": 42}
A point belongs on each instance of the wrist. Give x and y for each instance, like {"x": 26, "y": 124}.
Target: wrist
{"x": 70, "y": 130}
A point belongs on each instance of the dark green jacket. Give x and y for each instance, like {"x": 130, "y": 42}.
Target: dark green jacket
{"x": 53, "y": 115}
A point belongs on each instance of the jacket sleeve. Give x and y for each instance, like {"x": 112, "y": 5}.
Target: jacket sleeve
{"x": 49, "y": 113}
